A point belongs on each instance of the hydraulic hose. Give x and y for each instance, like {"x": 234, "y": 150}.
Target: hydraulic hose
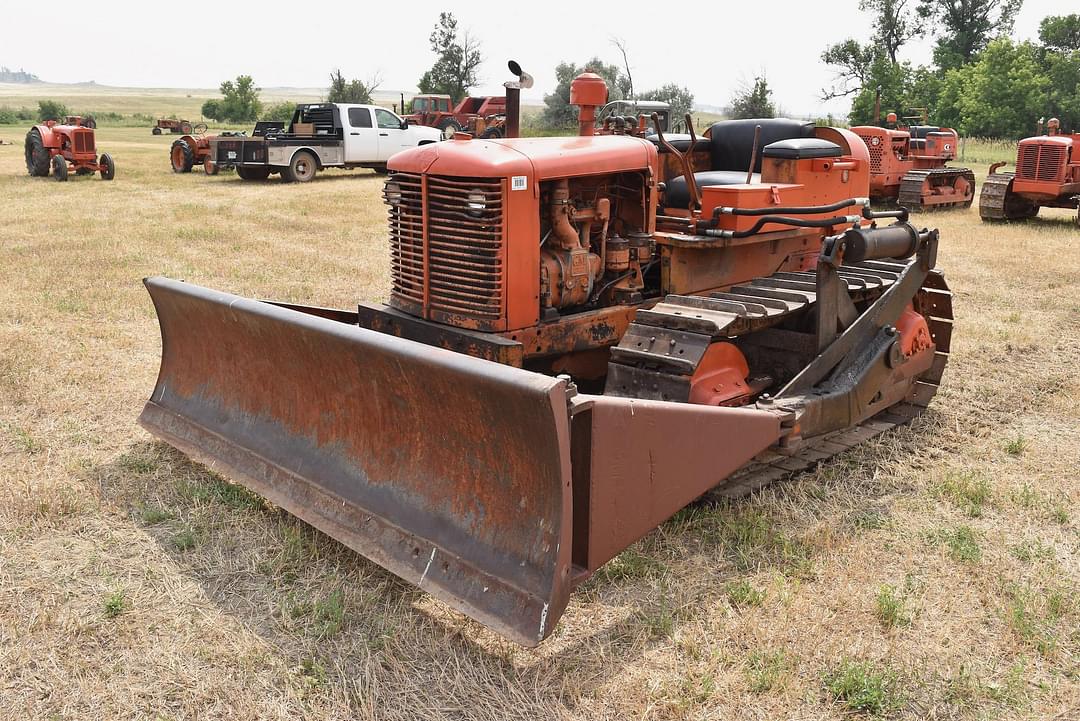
{"x": 783, "y": 220}
{"x": 794, "y": 210}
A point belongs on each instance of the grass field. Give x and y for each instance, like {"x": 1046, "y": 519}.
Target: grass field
{"x": 932, "y": 573}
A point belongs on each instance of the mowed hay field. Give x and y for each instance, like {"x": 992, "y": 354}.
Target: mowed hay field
{"x": 932, "y": 573}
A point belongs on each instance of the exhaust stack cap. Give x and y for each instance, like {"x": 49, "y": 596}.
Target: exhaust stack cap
{"x": 524, "y": 80}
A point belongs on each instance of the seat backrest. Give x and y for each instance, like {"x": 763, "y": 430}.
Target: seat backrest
{"x": 920, "y": 131}
{"x": 732, "y": 141}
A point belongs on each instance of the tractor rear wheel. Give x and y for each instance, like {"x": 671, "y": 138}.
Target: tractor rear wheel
{"x": 449, "y": 126}
{"x": 156, "y": 131}
{"x": 181, "y": 156}
{"x": 37, "y": 156}
{"x": 301, "y": 168}
{"x": 59, "y": 168}
{"x": 108, "y": 167}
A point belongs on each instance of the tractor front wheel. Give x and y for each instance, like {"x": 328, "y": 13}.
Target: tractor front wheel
{"x": 108, "y": 167}
{"x": 156, "y": 131}
{"x": 301, "y": 168}
{"x": 59, "y": 168}
{"x": 210, "y": 167}
{"x": 37, "y": 155}
{"x": 181, "y": 156}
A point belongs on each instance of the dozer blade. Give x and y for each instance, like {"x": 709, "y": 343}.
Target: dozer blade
{"x": 450, "y": 471}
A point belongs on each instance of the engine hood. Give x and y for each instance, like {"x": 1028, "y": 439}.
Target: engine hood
{"x": 540, "y": 158}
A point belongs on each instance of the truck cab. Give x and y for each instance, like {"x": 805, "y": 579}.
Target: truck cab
{"x": 372, "y": 134}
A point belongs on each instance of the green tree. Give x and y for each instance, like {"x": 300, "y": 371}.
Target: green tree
{"x": 1002, "y": 93}
{"x": 240, "y": 100}
{"x": 457, "y": 61}
{"x": 966, "y": 26}
{"x": 211, "y": 110}
{"x": 754, "y": 101}
{"x": 558, "y": 112}
{"x": 282, "y": 111}
{"x": 853, "y": 63}
{"x": 895, "y": 23}
{"x": 351, "y": 91}
{"x": 1060, "y": 33}
{"x": 51, "y": 110}
{"x": 679, "y": 97}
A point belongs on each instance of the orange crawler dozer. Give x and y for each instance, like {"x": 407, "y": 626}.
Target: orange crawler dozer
{"x": 1047, "y": 175}
{"x": 910, "y": 166}
{"x": 583, "y": 335}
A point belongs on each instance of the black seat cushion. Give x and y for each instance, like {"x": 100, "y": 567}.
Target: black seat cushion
{"x": 677, "y": 194}
{"x": 920, "y": 131}
{"x": 732, "y": 141}
{"x": 800, "y": 148}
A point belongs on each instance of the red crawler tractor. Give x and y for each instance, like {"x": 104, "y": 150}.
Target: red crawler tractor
{"x": 63, "y": 148}
{"x": 1047, "y": 175}
{"x": 584, "y": 334}
{"x": 909, "y": 166}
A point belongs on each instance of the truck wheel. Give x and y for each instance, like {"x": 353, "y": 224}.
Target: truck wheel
{"x": 156, "y": 131}
{"x": 182, "y": 156}
{"x": 59, "y": 168}
{"x": 37, "y": 156}
{"x": 449, "y": 126}
{"x": 247, "y": 173}
{"x": 107, "y": 167}
{"x": 301, "y": 168}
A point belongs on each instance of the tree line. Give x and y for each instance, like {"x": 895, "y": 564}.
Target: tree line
{"x": 979, "y": 81}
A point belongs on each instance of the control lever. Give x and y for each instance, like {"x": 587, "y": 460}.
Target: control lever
{"x": 684, "y": 159}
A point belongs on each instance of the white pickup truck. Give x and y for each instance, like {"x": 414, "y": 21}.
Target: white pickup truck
{"x": 320, "y": 135}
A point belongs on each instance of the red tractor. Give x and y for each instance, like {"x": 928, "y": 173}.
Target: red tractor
{"x": 1047, "y": 174}
{"x": 65, "y": 147}
{"x": 482, "y": 116}
{"x": 908, "y": 166}
{"x": 194, "y": 149}
{"x": 174, "y": 126}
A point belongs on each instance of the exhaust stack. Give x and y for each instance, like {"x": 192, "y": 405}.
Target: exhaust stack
{"x": 513, "y": 98}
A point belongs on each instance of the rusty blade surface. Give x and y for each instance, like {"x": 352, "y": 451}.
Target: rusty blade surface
{"x": 450, "y": 471}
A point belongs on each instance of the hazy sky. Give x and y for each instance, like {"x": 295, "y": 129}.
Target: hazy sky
{"x": 148, "y": 43}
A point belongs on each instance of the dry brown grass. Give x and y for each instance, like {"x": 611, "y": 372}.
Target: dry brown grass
{"x": 134, "y": 584}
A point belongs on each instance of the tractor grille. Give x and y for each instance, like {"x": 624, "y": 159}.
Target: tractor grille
{"x": 462, "y": 280}
{"x": 83, "y": 141}
{"x": 875, "y": 152}
{"x": 1045, "y": 163}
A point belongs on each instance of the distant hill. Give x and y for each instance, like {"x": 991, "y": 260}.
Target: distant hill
{"x": 7, "y": 75}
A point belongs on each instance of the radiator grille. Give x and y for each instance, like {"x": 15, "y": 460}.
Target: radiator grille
{"x": 463, "y": 277}
{"x": 1044, "y": 163}
{"x": 876, "y": 152}
{"x": 84, "y": 141}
